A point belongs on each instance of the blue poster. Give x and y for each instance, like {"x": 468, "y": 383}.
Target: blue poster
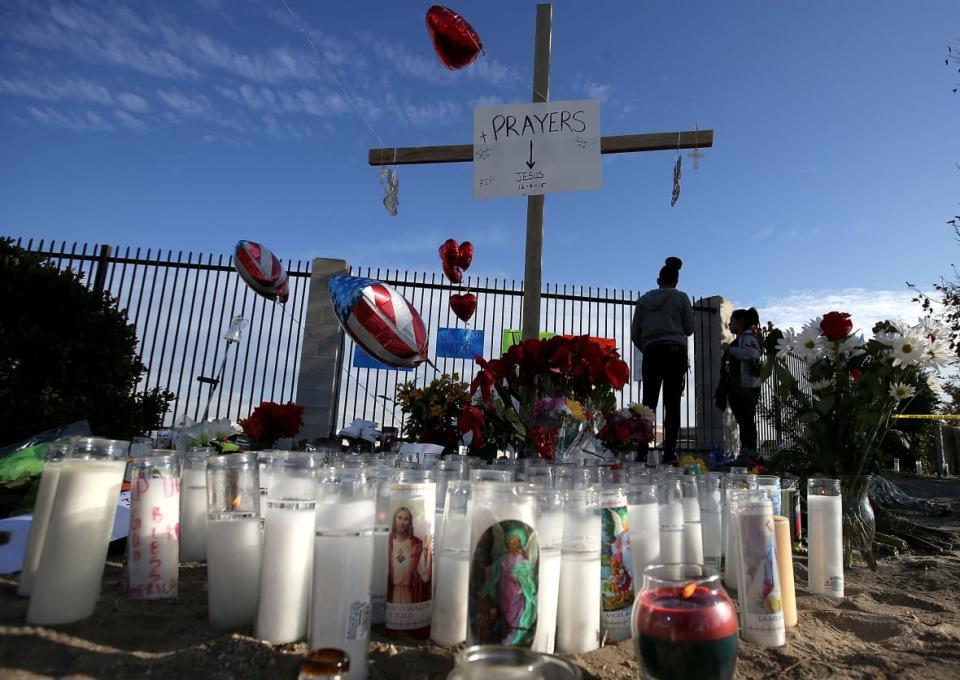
{"x": 459, "y": 343}
{"x": 363, "y": 360}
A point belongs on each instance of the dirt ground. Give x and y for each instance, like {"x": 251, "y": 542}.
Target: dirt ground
{"x": 903, "y": 621}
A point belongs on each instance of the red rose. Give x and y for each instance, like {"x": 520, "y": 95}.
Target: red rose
{"x": 855, "y": 375}
{"x": 836, "y": 326}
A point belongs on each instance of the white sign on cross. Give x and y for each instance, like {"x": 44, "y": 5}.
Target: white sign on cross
{"x": 534, "y": 149}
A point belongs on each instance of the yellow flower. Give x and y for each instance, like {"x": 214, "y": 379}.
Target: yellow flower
{"x": 693, "y": 460}
{"x": 576, "y": 409}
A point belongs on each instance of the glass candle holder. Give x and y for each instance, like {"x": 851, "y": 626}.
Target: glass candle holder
{"x": 492, "y": 474}
{"x": 67, "y": 581}
{"x": 761, "y": 600}
{"x": 616, "y": 581}
{"x": 343, "y": 564}
{"x": 684, "y": 624}
{"x": 692, "y": 527}
{"x": 578, "y": 608}
{"x": 482, "y": 662}
{"x": 504, "y": 564}
{"x": 381, "y": 476}
{"x": 56, "y": 452}
{"x": 193, "y": 505}
{"x": 572, "y": 477}
{"x": 733, "y": 483}
{"x": 644, "y": 512}
{"x": 413, "y": 496}
{"x": 288, "y": 533}
{"x": 550, "y": 532}
{"x": 325, "y": 664}
{"x": 670, "y": 500}
{"x": 451, "y": 567}
{"x": 448, "y": 469}
{"x": 771, "y": 485}
{"x": 233, "y": 540}
{"x": 709, "y": 490}
{"x": 153, "y": 542}
{"x": 540, "y": 474}
{"x": 825, "y": 537}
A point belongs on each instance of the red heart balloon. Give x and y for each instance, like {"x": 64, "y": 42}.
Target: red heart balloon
{"x": 463, "y": 305}
{"x": 453, "y": 272}
{"x": 454, "y": 40}
{"x": 465, "y": 255}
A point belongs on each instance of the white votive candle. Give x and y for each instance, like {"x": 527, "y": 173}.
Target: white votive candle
{"x": 68, "y": 577}
{"x": 578, "y": 607}
{"x": 693, "y": 543}
{"x": 233, "y": 570}
{"x": 193, "y": 507}
{"x": 550, "y": 531}
{"x": 825, "y": 537}
{"x": 451, "y": 568}
{"x": 41, "y": 513}
{"x": 153, "y": 542}
{"x": 644, "y": 527}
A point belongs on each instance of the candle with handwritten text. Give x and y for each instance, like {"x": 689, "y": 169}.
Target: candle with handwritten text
{"x": 153, "y": 544}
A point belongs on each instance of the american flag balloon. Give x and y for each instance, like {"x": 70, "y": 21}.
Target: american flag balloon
{"x": 380, "y": 320}
{"x": 262, "y": 270}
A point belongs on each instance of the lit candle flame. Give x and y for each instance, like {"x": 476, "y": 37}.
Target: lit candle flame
{"x": 689, "y": 589}
{"x": 235, "y": 502}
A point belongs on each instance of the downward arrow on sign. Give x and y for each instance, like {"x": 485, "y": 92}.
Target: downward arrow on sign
{"x": 531, "y": 163}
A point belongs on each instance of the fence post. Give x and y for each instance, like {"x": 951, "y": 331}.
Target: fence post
{"x": 713, "y": 428}
{"x": 317, "y": 384}
{"x": 100, "y": 277}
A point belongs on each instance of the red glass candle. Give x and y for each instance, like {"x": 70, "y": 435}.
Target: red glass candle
{"x": 684, "y": 624}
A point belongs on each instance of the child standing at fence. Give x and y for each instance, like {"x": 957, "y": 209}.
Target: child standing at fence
{"x": 742, "y": 360}
{"x": 662, "y": 321}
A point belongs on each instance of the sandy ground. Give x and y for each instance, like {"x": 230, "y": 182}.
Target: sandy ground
{"x": 902, "y": 621}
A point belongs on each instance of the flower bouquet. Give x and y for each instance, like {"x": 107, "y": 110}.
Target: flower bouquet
{"x": 624, "y": 431}
{"x": 837, "y": 394}
{"x": 522, "y": 392}
{"x": 271, "y": 421}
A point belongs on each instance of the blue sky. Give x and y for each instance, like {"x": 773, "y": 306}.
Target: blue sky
{"x": 192, "y": 125}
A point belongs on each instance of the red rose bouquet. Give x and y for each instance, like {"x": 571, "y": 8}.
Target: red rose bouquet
{"x": 271, "y": 421}
{"x": 514, "y": 387}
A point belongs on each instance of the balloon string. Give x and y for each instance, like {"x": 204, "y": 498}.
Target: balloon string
{"x": 332, "y": 73}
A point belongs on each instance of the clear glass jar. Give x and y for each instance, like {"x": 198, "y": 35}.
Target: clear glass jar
{"x": 684, "y": 624}
{"x": 825, "y": 536}
{"x": 550, "y": 532}
{"x": 483, "y": 662}
{"x": 451, "y": 567}
{"x": 771, "y": 485}
{"x": 153, "y": 542}
{"x": 578, "y": 608}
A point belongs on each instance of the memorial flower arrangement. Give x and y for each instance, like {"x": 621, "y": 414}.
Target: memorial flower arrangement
{"x": 542, "y": 395}
{"x": 271, "y": 421}
{"x": 432, "y": 413}
{"x": 837, "y": 394}
{"x": 625, "y": 430}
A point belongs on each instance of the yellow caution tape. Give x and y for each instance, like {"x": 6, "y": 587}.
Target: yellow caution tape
{"x": 927, "y": 416}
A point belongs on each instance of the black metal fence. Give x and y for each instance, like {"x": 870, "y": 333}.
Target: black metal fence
{"x": 368, "y": 393}
{"x": 181, "y": 304}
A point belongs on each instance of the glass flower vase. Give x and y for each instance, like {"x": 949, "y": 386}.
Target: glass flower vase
{"x": 859, "y": 522}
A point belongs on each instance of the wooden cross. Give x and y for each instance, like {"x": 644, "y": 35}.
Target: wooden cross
{"x": 463, "y": 153}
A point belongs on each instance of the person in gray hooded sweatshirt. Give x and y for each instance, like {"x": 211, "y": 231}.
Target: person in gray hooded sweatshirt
{"x": 662, "y": 320}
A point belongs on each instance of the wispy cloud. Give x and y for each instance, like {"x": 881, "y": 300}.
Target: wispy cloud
{"x": 594, "y": 90}
{"x": 87, "y": 121}
{"x": 129, "y": 121}
{"x": 866, "y": 307}
{"x": 195, "y": 106}
{"x": 70, "y": 89}
{"x": 763, "y": 234}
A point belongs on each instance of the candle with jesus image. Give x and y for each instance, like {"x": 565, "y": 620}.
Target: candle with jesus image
{"x": 410, "y": 553}
{"x": 153, "y": 544}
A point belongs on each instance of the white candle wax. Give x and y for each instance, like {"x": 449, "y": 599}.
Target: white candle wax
{"x": 451, "y": 577}
{"x": 671, "y": 546}
{"x": 712, "y": 536}
{"x": 153, "y": 544}
{"x": 671, "y": 516}
{"x": 578, "y": 609}
{"x": 547, "y": 597}
{"x": 340, "y": 608}
{"x": 233, "y": 571}
{"x": 644, "y": 537}
{"x": 380, "y": 576}
{"x": 731, "y": 552}
{"x": 692, "y": 543}
{"x": 287, "y": 570}
{"x": 825, "y": 538}
{"x": 67, "y": 581}
{"x": 193, "y": 515}
{"x": 691, "y": 509}
{"x": 761, "y": 611}
{"x": 38, "y": 526}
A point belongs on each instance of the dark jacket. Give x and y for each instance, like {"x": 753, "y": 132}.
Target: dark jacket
{"x": 662, "y": 315}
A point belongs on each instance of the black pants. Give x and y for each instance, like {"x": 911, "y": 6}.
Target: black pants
{"x": 665, "y": 365}
{"x": 744, "y": 407}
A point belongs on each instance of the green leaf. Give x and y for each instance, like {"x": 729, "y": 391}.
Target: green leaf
{"x": 825, "y": 405}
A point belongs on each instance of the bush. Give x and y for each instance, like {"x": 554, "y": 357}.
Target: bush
{"x": 67, "y": 354}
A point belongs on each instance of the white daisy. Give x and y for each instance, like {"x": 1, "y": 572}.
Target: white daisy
{"x": 901, "y": 391}
{"x": 909, "y": 349}
{"x": 785, "y": 343}
{"x": 931, "y": 328}
{"x": 852, "y": 346}
{"x": 933, "y": 382}
{"x": 812, "y": 325}
{"x": 938, "y": 354}
{"x": 809, "y": 344}
{"x": 821, "y": 385}
{"x": 886, "y": 338}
